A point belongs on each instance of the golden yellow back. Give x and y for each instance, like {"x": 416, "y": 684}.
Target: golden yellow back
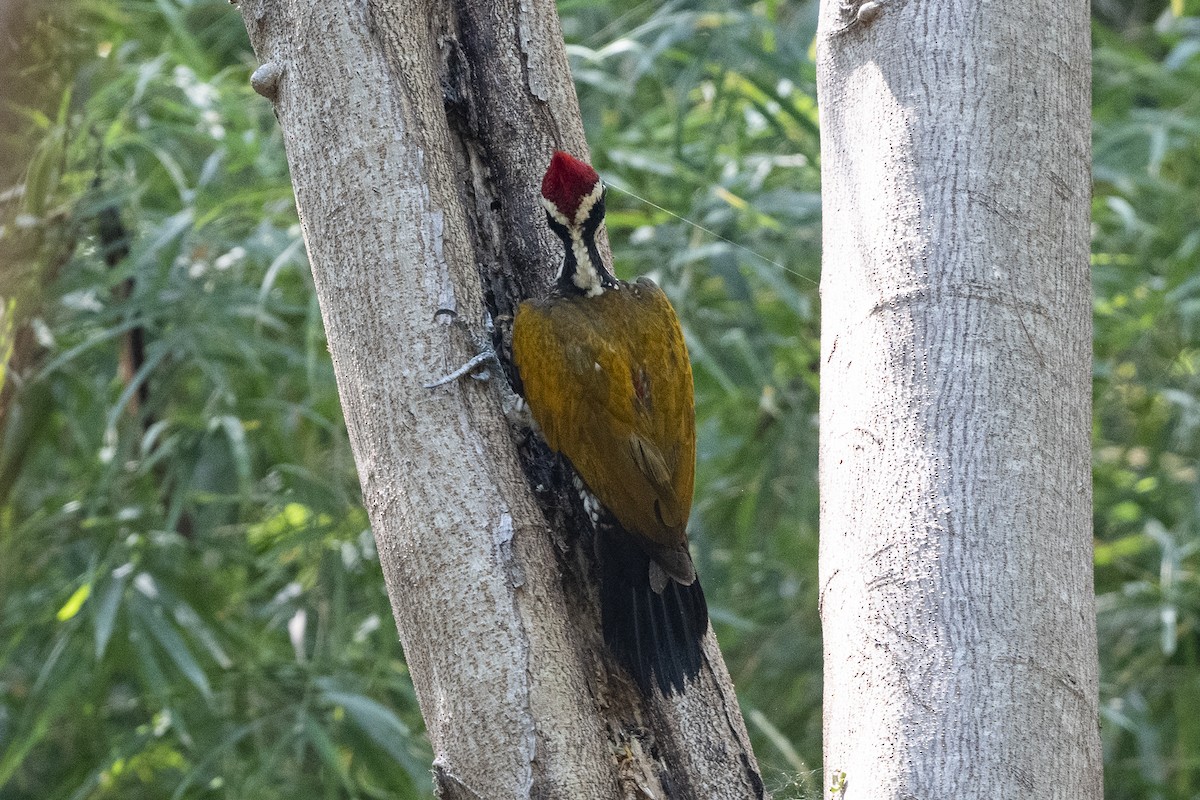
{"x": 608, "y": 381}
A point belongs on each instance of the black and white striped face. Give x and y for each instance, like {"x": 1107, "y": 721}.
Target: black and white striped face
{"x": 582, "y": 271}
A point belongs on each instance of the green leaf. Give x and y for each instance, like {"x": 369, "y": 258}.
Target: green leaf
{"x": 74, "y": 603}
{"x": 380, "y": 725}
{"x": 327, "y": 751}
{"x": 173, "y": 645}
{"x": 106, "y": 609}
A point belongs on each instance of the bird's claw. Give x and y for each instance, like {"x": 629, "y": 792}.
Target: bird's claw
{"x": 467, "y": 368}
{"x": 515, "y": 410}
{"x": 483, "y": 348}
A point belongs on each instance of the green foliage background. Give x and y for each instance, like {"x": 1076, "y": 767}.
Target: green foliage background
{"x": 190, "y": 603}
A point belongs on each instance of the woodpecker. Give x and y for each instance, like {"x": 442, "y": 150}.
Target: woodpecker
{"x": 606, "y": 377}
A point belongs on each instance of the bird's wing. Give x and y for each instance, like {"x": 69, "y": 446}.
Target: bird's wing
{"x": 608, "y": 381}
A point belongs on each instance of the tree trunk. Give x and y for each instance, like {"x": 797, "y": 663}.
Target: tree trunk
{"x": 417, "y": 134}
{"x": 956, "y": 561}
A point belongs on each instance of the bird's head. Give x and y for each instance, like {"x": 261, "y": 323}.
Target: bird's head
{"x": 573, "y": 196}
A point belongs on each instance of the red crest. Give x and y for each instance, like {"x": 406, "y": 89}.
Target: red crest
{"x": 568, "y": 180}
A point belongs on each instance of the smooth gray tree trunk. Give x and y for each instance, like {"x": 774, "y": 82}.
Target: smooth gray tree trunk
{"x": 417, "y": 134}
{"x": 956, "y": 562}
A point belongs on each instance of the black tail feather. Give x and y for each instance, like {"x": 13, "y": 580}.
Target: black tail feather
{"x": 655, "y": 636}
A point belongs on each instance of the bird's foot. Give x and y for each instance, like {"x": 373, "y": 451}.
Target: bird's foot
{"x": 479, "y": 367}
{"x": 469, "y": 368}
{"x": 485, "y": 354}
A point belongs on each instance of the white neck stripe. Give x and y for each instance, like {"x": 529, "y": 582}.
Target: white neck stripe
{"x": 587, "y": 276}
{"x": 588, "y": 202}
